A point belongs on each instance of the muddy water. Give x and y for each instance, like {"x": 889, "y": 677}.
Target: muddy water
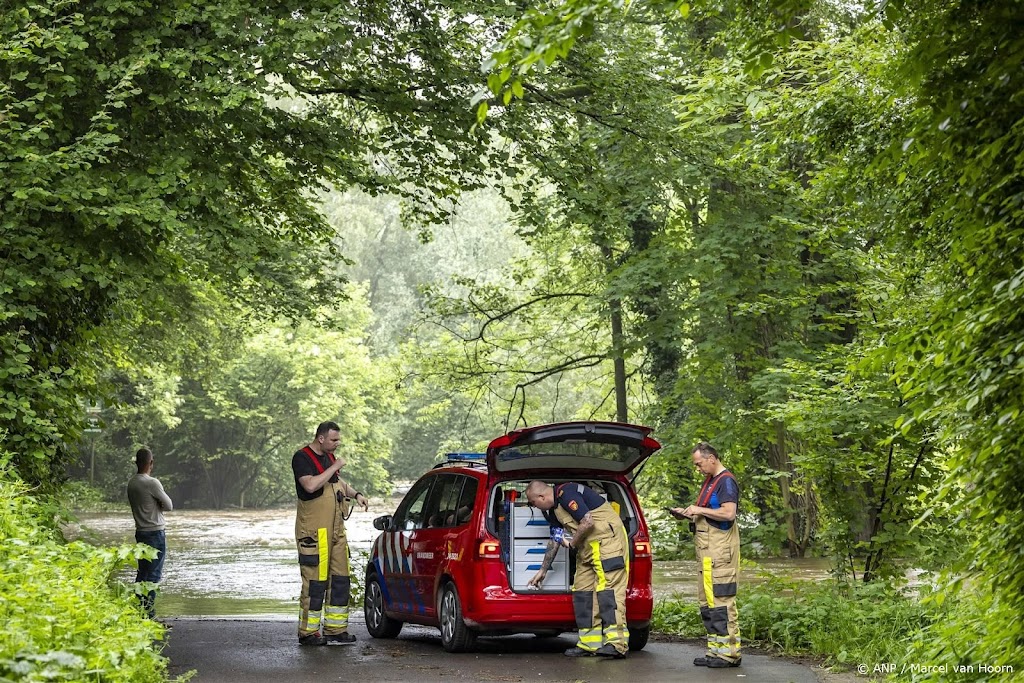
{"x": 221, "y": 563}
{"x": 243, "y": 562}
{"x": 678, "y": 578}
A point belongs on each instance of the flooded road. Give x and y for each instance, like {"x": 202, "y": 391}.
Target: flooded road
{"x": 243, "y": 562}
{"x": 228, "y": 563}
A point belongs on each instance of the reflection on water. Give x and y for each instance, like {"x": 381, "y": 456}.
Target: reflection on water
{"x": 243, "y": 562}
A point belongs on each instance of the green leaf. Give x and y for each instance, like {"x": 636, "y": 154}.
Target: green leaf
{"x": 494, "y": 84}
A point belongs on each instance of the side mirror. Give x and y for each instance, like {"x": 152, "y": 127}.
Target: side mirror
{"x": 383, "y": 523}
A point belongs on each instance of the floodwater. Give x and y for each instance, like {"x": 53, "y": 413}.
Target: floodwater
{"x": 243, "y": 562}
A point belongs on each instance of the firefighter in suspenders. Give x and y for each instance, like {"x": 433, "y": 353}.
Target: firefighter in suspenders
{"x": 320, "y": 536}
{"x": 595, "y": 530}
{"x": 717, "y": 541}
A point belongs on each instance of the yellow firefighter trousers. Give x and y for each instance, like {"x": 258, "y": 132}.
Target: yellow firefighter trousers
{"x": 602, "y": 576}
{"x": 718, "y": 567}
{"x": 323, "y": 563}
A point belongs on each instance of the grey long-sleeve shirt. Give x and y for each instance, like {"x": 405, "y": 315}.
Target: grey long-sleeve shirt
{"x": 148, "y": 502}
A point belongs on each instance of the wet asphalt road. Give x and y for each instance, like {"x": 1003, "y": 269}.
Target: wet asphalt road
{"x": 237, "y": 651}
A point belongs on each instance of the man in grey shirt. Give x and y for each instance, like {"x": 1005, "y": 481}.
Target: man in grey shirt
{"x": 148, "y": 502}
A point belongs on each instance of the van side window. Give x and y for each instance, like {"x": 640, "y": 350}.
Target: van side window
{"x": 464, "y": 507}
{"x": 445, "y": 507}
{"x": 410, "y": 514}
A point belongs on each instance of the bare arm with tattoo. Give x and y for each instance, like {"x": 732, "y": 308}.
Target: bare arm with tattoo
{"x": 545, "y": 565}
{"x": 549, "y": 556}
{"x": 586, "y": 524}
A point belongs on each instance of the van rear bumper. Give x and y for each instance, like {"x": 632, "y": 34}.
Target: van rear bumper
{"x": 500, "y": 608}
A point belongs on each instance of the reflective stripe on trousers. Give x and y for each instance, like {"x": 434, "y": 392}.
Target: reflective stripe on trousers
{"x": 323, "y": 564}
{"x": 600, "y": 582}
{"x": 719, "y": 559}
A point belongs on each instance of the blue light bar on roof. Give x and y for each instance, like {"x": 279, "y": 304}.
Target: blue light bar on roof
{"x": 465, "y": 456}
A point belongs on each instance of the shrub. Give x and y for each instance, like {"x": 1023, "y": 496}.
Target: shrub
{"x": 62, "y": 620}
{"x": 678, "y": 617}
{"x": 963, "y": 639}
{"x": 843, "y": 623}
{"x": 80, "y": 496}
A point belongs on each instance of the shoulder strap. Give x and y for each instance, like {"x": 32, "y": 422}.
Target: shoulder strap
{"x": 709, "y": 487}
{"x": 316, "y": 461}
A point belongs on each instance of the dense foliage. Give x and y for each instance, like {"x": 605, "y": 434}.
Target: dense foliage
{"x": 224, "y": 433}
{"x": 792, "y": 229}
{"x": 138, "y": 157}
{"x": 841, "y": 624}
{"x": 965, "y": 161}
{"x": 63, "y": 620}
{"x": 854, "y": 333}
{"x": 152, "y": 152}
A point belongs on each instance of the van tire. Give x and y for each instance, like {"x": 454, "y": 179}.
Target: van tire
{"x": 638, "y": 638}
{"x": 379, "y": 624}
{"x": 455, "y": 635}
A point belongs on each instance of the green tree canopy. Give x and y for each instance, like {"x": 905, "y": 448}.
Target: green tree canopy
{"x": 148, "y": 147}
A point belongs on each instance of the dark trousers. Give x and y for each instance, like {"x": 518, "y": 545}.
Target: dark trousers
{"x": 151, "y": 570}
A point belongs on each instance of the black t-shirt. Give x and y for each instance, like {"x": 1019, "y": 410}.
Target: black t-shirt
{"x": 302, "y": 465}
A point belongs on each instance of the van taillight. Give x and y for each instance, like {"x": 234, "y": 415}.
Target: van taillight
{"x": 489, "y": 550}
{"x": 641, "y": 549}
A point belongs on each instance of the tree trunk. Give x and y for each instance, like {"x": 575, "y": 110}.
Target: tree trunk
{"x": 621, "y": 410}
{"x": 801, "y": 510}
{"x": 653, "y": 302}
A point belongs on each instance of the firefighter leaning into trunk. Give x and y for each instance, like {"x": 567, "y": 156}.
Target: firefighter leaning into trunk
{"x": 717, "y": 541}
{"x": 321, "y": 540}
{"x": 602, "y": 564}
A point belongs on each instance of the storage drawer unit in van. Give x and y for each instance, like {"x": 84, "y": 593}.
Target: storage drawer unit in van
{"x": 557, "y": 578}
{"x": 529, "y": 522}
{"x": 530, "y": 536}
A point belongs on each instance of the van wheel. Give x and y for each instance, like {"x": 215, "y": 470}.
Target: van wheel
{"x": 638, "y": 638}
{"x": 455, "y": 635}
{"x": 379, "y": 624}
